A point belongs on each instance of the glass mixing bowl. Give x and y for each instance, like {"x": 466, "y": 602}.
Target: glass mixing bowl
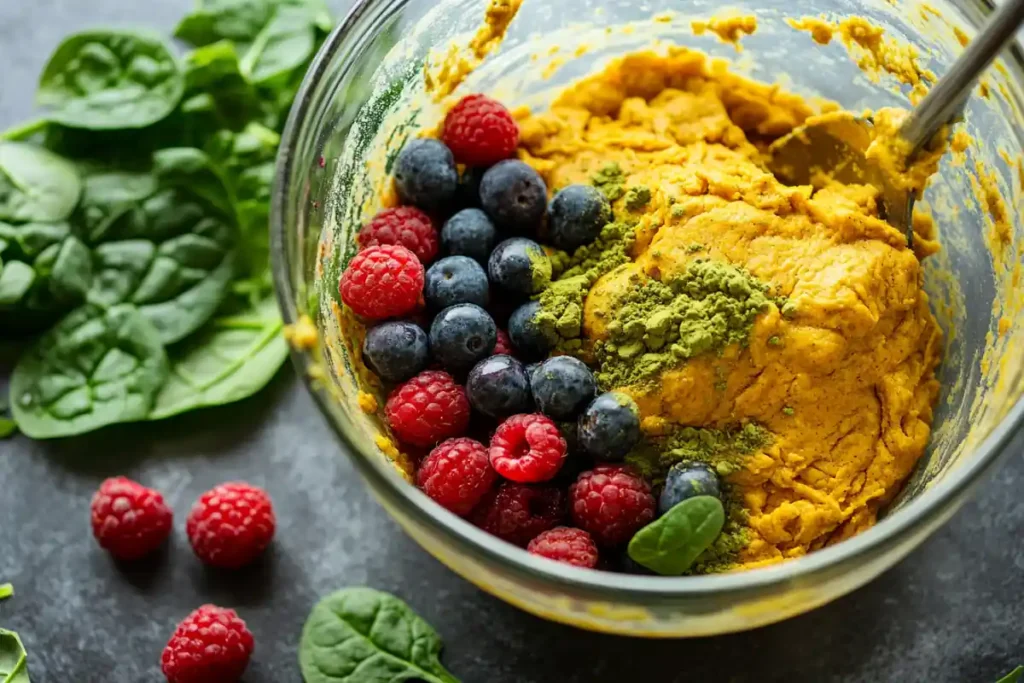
{"x": 364, "y": 94}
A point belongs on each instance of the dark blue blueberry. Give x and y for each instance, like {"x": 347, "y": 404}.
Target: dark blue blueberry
{"x": 562, "y": 387}
{"x": 455, "y": 280}
{"x": 686, "y": 480}
{"x": 514, "y": 196}
{"x": 527, "y": 336}
{"x": 610, "y": 426}
{"x": 396, "y": 350}
{"x": 462, "y": 335}
{"x": 425, "y": 174}
{"x": 469, "y": 187}
{"x": 576, "y": 216}
{"x": 469, "y": 233}
{"x": 519, "y": 266}
{"x": 498, "y": 386}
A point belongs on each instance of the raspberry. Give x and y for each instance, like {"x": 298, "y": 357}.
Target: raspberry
{"x": 572, "y": 546}
{"x": 385, "y": 281}
{"x": 211, "y": 645}
{"x": 518, "y": 513}
{"x": 128, "y": 519}
{"x": 403, "y": 225}
{"x": 427, "y": 409}
{"x": 480, "y": 131}
{"x": 527, "y": 449}
{"x": 503, "y": 347}
{"x": 231, "y": 524}
{"x": 611, "y": 502}
{"x": 457, "y": 474}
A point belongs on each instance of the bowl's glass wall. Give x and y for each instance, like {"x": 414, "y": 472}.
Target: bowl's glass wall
{"x": 367, "y": 96}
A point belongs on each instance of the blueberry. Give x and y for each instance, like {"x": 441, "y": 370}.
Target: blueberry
{"x": 519, "y": 266}
{"x": 576, "y": 216}
{"x": 425, "y": 174}
{"x": 686, "y": 480}
{"x": 455, "y": 280}
{"x": 610, "y": 426}
{"x": 498, "y": 386}
{"x": 396, "y": 350}
{"x": 469, "y": 233}
{"x": 527, "y": 336}
{"x": 562, "y": 387}
{"x": 461, "y": 335}
{"x": 514, "y": 196}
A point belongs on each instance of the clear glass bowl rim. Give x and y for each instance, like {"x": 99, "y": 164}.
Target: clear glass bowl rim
{"x": 943, "y": 497}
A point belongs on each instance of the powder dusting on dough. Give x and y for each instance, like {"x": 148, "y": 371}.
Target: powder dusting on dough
{"x": 728, "y": 27}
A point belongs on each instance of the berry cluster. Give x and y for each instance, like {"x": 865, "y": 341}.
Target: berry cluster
{"x": 462, "y": 374}
{"x": 228, "y": 527}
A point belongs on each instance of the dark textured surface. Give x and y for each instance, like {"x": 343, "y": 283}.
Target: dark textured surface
{"x": 951, "y": 612}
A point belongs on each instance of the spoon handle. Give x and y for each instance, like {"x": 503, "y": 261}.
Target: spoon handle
{"x": 945, "y": 101}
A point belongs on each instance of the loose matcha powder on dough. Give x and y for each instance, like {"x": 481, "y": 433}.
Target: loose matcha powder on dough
{"x": 659, "y": 324}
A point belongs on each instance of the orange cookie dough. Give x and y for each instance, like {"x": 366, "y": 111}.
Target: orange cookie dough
{"x": 841, "y": 375}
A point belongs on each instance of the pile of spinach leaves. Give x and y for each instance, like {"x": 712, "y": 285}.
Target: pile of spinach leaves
{"x": 134, "y": 217}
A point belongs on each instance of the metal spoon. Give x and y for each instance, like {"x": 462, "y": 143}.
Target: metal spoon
{"x": 837, "y": 145}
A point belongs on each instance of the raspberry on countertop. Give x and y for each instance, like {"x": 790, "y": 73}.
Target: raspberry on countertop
{"x": 128, "y": 519}
{"x": 210, "y": 645}
{"x": 231, "y": 524}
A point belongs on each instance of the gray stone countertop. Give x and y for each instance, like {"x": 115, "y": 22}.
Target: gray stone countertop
{"x": 951, "y": 612}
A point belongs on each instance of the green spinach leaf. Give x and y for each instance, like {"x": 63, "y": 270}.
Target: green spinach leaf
{"x": 111, "y": 79}
{"x": 286, "y": 43}
{"x": 1013, "y": 676}
{"x": 360, "y": 635}
{"x": 6, "y": 591}
{"x": 162, "y": 243}
{"x": 96, "y": 367}
{"x": 13, "y": 665}
{"x": 217, "y": 95}
{"x": 46, "y": 271}
{"x": 213, "y": 20}
{"x": 8, "y": 428}
{"x": 673, "y": 542}
{"x": 229, "y": 359}
{"x": 36, "y": 185}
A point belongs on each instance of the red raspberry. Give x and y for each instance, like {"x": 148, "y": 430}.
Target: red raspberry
{"x": 385, "y": 281}
{"x": 211, "y": 645}
{"x": 457, "y": 474}
{"x": 128, "y": 519}
{"x": 572, "y": 546}
{"x": 503, "y": 346}
{"x": 611, "y": 502}
{"x": 403, "y": 225}
{"x": 518, "y": 513}
{"x": 480, "y": 131}
{"x": 527, "y": 448}
{"x": 427, "y": 409}
{"x": 231, "y": 524}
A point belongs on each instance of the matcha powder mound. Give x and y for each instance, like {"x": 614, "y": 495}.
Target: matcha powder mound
{"x": 660, "y": 324}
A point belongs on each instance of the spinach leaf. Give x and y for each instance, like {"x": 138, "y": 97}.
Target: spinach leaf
{"x": 285, "y": 44}
{"x": 110, "y": 79}
{"x": 1013, "y": 676}
{"x": 13, "y": 666}
{"x": 360, "y": 635}
{"x": 6, "y": 591}
{"x": 94, "y": 368}
{"x": 161, "y": 243}
{"x": 213, "y": 20}
{"x": 217, "y": 95}
{"x": 46, "y": 271}
{"x": 673, "y": 542}
{"x": 229, "y": 359}
{"x": 35, "y": 185}
{"x": 8, "y": 428}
